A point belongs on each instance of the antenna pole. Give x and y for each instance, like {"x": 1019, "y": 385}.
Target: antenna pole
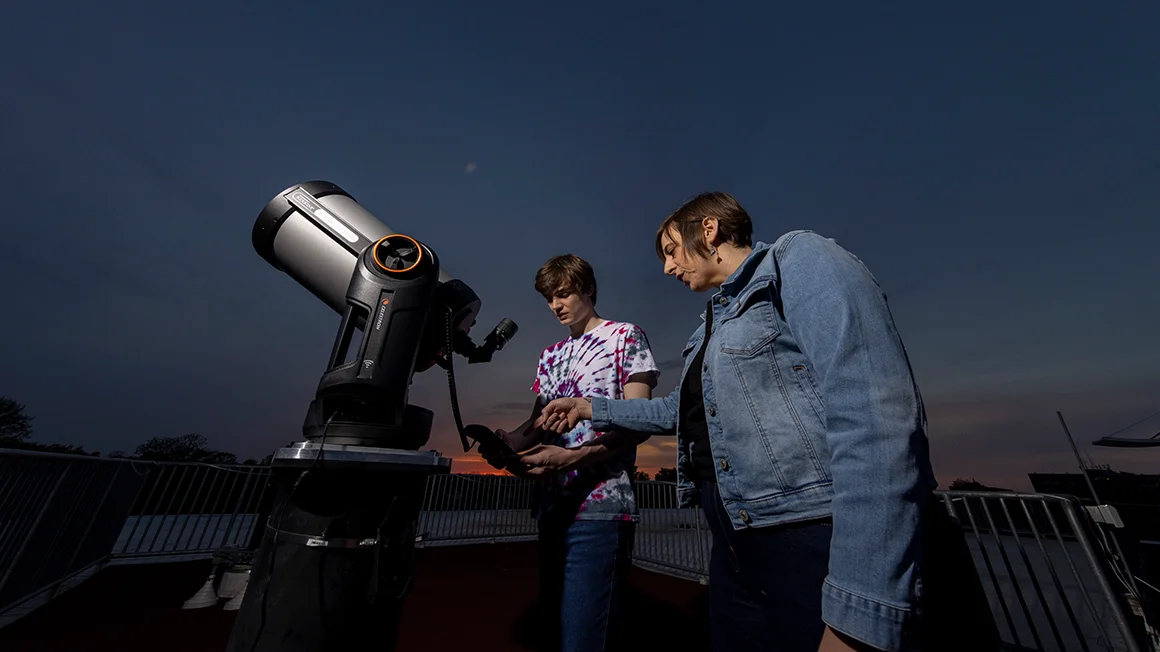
{"x": 1082, "y": 468}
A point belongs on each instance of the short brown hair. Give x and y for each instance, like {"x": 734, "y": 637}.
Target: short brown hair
{"x": 733, "y": 223}
{"x": 566, "y": 274}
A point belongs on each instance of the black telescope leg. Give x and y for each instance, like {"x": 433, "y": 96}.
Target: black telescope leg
{"x": 318, "y": 583}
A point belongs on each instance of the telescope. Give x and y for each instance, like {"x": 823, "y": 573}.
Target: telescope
{"x": 334, "y": 565}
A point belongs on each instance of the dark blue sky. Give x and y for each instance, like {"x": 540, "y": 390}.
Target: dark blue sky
{"x": 996, "y": 165}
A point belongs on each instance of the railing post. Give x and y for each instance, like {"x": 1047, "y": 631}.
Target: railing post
{"x": 1101, "y": 579}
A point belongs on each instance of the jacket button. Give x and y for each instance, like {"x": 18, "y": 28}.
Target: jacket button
{"x": 744, "y": 515}
{"x": 723, "y": 301}
{"x": 723, "y": 463}
{"x": 712, "y": 410}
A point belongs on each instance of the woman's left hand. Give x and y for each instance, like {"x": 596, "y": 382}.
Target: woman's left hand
{"x": 544, "y": 460}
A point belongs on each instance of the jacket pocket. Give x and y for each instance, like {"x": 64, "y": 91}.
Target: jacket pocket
{"x": 809, "y": 389}
{"x": 746, "y": 334}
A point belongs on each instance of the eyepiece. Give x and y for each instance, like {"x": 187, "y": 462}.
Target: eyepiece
{"x": 504, "y": 332}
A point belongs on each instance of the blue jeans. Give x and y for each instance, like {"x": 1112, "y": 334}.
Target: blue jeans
{"x": 583, "y": 567}
{"x": 765, "y": 584}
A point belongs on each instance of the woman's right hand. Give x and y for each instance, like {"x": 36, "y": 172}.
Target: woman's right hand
{"x": 562, "y": 414}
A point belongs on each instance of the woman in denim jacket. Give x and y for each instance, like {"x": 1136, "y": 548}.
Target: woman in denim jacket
{"x": 801, "y": 432}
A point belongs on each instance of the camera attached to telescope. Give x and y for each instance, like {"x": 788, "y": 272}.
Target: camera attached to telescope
{"x": 334, "y": 563}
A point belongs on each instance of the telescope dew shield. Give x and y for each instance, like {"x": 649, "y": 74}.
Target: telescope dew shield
{"x": 315, "y": 232}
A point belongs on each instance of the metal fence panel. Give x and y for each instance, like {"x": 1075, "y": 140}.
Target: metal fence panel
{"x": 1045, "y": 572}
{"x": 460, "y": 509}
{"x": 1043, "y": 565}
{"x": 1048, "y": 571}
{"x": 189, "y": 510}
{"x": 59, "y": 515}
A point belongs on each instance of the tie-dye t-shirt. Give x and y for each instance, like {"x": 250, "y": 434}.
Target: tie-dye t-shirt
{"x": 598, "y": 363}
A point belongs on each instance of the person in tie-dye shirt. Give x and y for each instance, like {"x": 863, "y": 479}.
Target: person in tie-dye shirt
{"x": 584, "y": 503}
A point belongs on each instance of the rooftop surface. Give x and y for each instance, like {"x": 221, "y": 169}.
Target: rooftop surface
{"x": 137, "y": 608}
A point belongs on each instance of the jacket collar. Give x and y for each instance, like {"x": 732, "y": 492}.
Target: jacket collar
{"x": 744, "y": 272}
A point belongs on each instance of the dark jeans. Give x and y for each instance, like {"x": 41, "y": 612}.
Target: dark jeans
{"x": 765, "y": 584}
{"x": 583, "y": 567}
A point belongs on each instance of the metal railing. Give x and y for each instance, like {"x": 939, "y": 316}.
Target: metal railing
{"x": 461, "y": 509}
{"x": 59, "y": 518}
{"x": 64, "y": 517}
{"x": 1045, "y": 569}
{"x": 188, "y": 510}
{"x": 1044, "y": 565}
{"x": 1050, "y": 577}
{"x": 670, "y": 539}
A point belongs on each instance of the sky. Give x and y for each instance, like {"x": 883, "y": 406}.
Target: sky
{"x": 995, "y": 164}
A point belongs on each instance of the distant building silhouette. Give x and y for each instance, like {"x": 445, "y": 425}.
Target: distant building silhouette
{"x": 1136, "y": 496}
{"x": 1111, "y": 486}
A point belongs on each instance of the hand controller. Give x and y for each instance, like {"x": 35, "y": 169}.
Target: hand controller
{"x": 489, "y": 440}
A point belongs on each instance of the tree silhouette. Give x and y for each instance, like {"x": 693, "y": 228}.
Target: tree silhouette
{"x": 190, "y": 447}
{"x": 15, "y": 423}
{"x": 666, "y": 475}
{"x": 963, "y": 484}
{"x": 638, "y": 475}
{"x": 16, "y": 431}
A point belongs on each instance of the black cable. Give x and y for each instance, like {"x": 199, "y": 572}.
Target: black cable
{"x": 450, "y": 360}
{"x": 1133, "y": 424}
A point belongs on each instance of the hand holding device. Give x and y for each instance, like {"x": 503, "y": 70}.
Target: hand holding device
{"x": 547, "y": 460}
{"x": 493, "y": 446}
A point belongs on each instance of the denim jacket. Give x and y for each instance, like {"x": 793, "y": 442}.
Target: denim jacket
{"x": 813, "y": 411}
